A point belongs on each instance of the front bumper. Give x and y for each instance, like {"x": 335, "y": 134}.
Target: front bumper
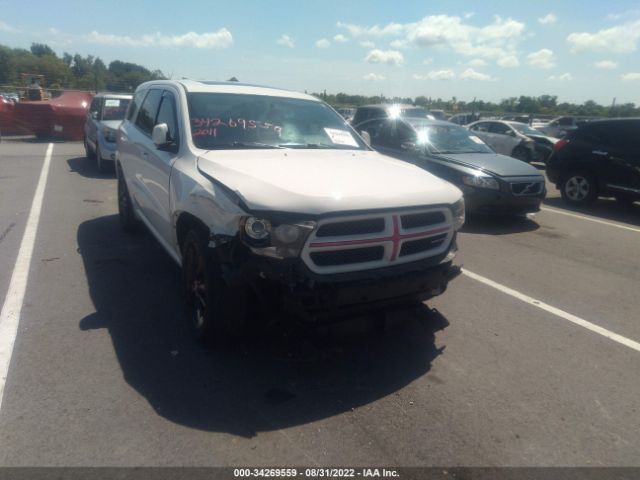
{"x": 107, "y": 149}
{"x": 499, "y": 202}
{"x": 314, "y": 297}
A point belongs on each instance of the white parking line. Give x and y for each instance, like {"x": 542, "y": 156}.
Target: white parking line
{"x": 556, "y": 311}
{"x": 590, "y": 219}
{"x": 12, "y": 307}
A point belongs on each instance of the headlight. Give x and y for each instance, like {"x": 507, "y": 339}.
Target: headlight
{"x": 457, "y": 210}
{"x": 109, "y": 135}
{"x": 282, "y": 241}
{"x": 257, "y": 228}
{"x": 481, "y": 181}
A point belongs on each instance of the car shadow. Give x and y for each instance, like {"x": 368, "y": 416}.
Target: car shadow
{"x": 284, "y": 377}
{"x": 604, "y": 208}
{"x": 88, "y": 167}
{"x": 498, "y": 224}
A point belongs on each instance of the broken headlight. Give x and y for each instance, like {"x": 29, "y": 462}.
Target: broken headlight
{"x": 277, "y": 241}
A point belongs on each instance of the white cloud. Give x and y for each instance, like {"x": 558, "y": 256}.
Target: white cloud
{"x": 323, "y": 43}
{"x": 399, "y": 44}
{"x": 565, "y": 77}
{"x": 286, "y": 41}
{"x": 477, "y": 62}
{"x": 471, "y": 74}
{"x": 508, "y": 61}
{"x": 374, "y": 31}
{"x": 367, "y": 44}
{"x": 373, "y": 77}
{"x": 437, "y": 75}
{"x": 631, "y": 76}
{"x": 390, "y": 57}
{"x": 427, "y": 61}
{"x": 606, "y": 65}
{"x": 53, "y": 31}
{"x": 548, "y": 19}
{"x": 5, "y": 27}
{"x": 220, "y": 39}
{"x": 619, "y": 39}
{"x": 340, "y": 38}
{"x": 492, "y": 41}
{"x": 544, "y": 58}
{"x": 468, "y": 14}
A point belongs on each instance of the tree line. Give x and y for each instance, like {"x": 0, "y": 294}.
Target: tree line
{"x": 542, "y": 105}
{"x": 71, "y": 71}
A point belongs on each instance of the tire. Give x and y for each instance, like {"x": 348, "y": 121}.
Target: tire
{"x": 521, "y": 154}
{"x": 578, "y": 188}
{"x": 87, "y": 150}
{"x": 215, "y": 311}
{"x": 128, "y": 221}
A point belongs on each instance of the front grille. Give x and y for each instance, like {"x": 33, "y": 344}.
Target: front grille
{"x": 352, "y": 227}
{"x": 423, "y": 219}
{"x": 526, "y": 188}
{"x": 344, "y": 257}
{"x": 412, "y": 247}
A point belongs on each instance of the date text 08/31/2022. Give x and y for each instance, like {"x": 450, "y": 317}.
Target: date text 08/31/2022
{"x": 315, "y": 473}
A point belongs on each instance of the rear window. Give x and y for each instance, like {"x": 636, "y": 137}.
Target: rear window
{"x": 115, "y": 108}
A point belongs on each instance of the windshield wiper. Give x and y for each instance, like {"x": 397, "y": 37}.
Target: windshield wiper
{"x": 220, "y": 146}
{"x": 316, "y": 145}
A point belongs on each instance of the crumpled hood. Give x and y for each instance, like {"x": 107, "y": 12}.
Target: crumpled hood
{"x": 495, "y": 163}
{"x": 321, "y": 181}
{"x": 551, "y": 140}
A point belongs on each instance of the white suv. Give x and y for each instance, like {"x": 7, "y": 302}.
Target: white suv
{"x": 263, "y": 194}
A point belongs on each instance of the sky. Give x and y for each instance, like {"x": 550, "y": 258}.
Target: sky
{"x": 577, "y": 50}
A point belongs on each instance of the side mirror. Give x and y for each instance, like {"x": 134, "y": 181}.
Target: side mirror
{"x": 408, "y": 146}
{"x": 160, "y": 134}
{"x": 366, "y": 137}
{"x": 162, "y": 140}
{"x": 94, "y": 115}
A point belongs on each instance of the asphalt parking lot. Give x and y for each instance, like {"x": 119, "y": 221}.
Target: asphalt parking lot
{"x": 530, "y": 358}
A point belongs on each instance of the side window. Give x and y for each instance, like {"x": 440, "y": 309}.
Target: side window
{"x": 566, "y": 122}
{"x": 167, "y": 114}
{"x": 500, "y": 128}
{"x": 374, "y": 129}
{"x": 95, "y": 105}
{"x": 148, "y": 110}
{"x": 135, "y": 103}
{"x": 394, "y": 133}
{"x": 481, "y": 127}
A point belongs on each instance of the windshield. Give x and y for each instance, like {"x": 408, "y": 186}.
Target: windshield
{"x": 526, "y": 129}
{"x": 115, "y": 108}
{"x": 414, "y": 113}
{"x": 449, "y": 139}
{"x": 224, "y": 121}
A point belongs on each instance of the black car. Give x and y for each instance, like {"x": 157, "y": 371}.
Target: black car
{"x": 491, "y": 183}
{"x": 384, "y": 110}
{"x": 599, "y": 158}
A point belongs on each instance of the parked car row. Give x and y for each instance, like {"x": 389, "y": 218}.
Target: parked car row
{"x": 266, "y": 196}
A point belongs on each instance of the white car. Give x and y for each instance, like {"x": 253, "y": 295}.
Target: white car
{"x": 262, "y": 194}
{"x": 558, "y": 127}
{"x": 505, "y": 138}
{"x": 105, "y": 114}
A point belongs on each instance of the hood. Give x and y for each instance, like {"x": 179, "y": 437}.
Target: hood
{"x": 112, "y": 124}
{"x": 494, "y": 163}
{"x": 322, "y": 181}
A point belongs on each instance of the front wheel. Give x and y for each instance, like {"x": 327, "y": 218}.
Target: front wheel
{"x": 128, "y": 220}
{"x": 87, "y": 149}
{"x": 578, "y": 189}
{"x": 215, "y": 310}
{"x": 102, "y": 166}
